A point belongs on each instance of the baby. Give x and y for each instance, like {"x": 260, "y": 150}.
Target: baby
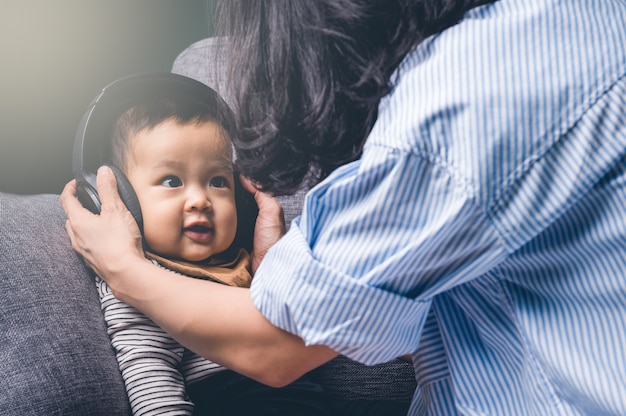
{"x": 175, "y": 153}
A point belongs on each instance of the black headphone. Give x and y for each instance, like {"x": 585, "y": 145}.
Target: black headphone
{"x": 93, "y": 141}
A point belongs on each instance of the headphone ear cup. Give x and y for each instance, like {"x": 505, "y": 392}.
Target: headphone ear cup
{"x": 86, "y": 192}
{"x": 128, "y": 196}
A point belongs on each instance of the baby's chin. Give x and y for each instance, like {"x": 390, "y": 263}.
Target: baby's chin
{"x": 201, "y": 258}
{"x": 198, "y": 254}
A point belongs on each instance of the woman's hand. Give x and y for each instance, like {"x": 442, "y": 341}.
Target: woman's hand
{"x": 106, "y": 241}
{"x": 270, "y": 224}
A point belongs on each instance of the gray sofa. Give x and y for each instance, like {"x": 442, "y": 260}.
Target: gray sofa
{"x": 55, "y": 355}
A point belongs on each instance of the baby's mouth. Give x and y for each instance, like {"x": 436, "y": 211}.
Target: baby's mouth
{"x": 198, "y": 228}
{"x": 199, "y": 232}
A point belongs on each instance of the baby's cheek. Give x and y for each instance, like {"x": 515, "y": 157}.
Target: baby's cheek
{"x": 230, "y": 230}
{"x": 150, "y": 239}
{"x": 158, "y": 237}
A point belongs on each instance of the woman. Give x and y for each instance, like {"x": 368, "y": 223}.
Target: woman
{"x": 470, "y": 210}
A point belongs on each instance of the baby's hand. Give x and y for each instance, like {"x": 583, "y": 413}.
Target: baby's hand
{"x": 270, "y": 224}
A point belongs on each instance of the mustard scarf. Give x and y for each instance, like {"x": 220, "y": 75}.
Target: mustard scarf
{"x": 231, "y": 273}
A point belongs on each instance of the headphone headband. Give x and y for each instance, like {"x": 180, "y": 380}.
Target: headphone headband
{"x": 113, "y": 100}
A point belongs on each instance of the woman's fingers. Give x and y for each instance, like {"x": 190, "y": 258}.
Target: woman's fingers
{"x": 106, "y": 185}
{"x": 113, "y": 234}
{"x": 247, "y": 184}
{"x": 270, "y": 223}
{"x": 69, "y": 202}
{"x": 269, "y": 207}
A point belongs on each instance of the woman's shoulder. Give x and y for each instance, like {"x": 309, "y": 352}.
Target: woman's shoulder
{"x": 512, "y": 71}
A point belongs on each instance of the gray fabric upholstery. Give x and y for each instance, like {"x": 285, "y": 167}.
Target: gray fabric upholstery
{"x": 203, "y": 61}
{"x": 55, "y": 354}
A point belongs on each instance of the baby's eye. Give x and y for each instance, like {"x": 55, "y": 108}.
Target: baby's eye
{"x": 219, "y": 182}
{"x": 172, "y": 182}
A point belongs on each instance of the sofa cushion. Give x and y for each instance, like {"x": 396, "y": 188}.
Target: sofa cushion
{"x": 55, "y": 355}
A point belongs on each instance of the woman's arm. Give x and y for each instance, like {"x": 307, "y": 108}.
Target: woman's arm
{"x": 216, "y": 321}
{"x": 220, "y": 323}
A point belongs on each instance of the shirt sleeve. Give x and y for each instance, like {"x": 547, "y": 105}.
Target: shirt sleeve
{"x": 148, "y": 359}
{"x": 375, "y": 243}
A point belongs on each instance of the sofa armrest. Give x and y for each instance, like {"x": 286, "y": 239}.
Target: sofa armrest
{"x": 55, "y": 354}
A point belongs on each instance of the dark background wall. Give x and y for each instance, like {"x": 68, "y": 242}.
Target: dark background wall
{"x": 56, "y": 55}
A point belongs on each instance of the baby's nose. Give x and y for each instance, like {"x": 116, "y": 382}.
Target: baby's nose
{"x": 198, "y": 200}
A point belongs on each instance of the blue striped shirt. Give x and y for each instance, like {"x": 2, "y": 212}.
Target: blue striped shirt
{"x": 483, "y": 229}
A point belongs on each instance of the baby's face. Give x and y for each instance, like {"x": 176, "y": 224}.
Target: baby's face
{"x": 184, "y": 181}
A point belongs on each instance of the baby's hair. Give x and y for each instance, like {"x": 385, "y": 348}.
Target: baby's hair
{"x": 180, "y": 108}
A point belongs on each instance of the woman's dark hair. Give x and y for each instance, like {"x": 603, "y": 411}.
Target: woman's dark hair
{"x": 308, "y": 75}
